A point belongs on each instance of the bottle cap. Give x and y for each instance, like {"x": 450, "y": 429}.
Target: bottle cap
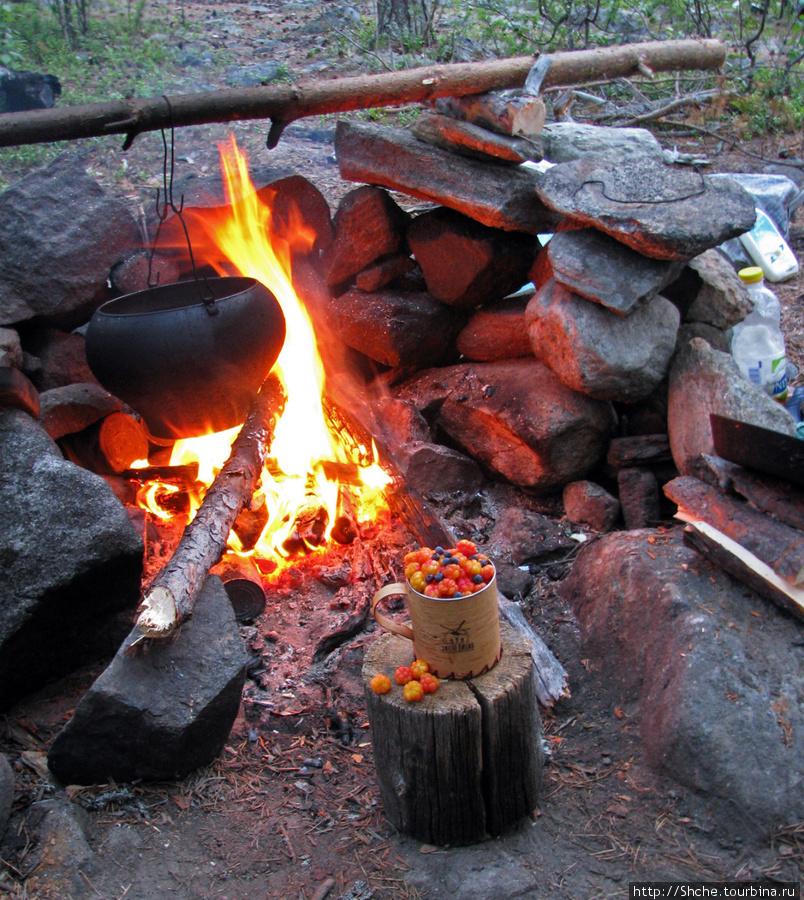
{"x": 751, "y": 274}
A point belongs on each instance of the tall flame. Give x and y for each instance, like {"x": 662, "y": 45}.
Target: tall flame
{"x": 303, "y": 442}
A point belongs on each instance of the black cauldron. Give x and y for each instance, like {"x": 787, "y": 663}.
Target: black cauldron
{"x": 188, "y": 357}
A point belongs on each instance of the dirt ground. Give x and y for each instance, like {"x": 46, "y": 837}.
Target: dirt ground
{"x": 292, "y": 808}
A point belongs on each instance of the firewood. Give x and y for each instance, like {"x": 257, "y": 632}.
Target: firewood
{"x": 639, "y": 450}
{"x": 170, "y": 598}
{"x": 183, "y": 474}
{"x": 765, "y": 493}
{"x": 467, "y": 760}
{"x": 109, "y": 446}
{"x": 283, "y": 103}
{"x": 745, "y": 566}
{"x": 468, "y": 139}
{"x": 522, "y": 114}
{"x": 776, "y": 544}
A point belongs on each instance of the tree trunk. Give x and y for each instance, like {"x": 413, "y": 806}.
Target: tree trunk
{"x": 170, "y": 598}
{"x": 284, "y": 102}
{"x": 465, "y": 761}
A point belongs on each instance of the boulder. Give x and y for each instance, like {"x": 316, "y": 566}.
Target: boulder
{"x": 466, "y": 264}
{"x": 705, "y": 381}
{"x": 71, "y": 561}
{"x": 516, "y": 419}
{"x": 60, "y": 235}
{"x": 162, "y": 714}
{"x": 598, "y": 352}
{"x": 564, "y": 141}
{"x": 396, "y": 327}
{"x": 599, "y": 268}
{"x": 656, "y": 209}
{"x": 712, "y": 669}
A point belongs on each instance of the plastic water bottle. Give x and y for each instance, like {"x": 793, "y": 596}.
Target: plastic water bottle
{"x": 757, "y": 344}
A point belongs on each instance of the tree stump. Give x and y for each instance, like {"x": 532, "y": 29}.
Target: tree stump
{"x": 464, "y": 762}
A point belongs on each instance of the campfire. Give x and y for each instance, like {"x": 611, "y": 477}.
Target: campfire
{"x": 321, "y": 477}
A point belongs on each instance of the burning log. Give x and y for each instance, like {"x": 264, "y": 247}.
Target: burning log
{"x": 170, "y": 598}
{"x": 108, "y": 447}
{"x": 286, "y": 102}
{"x": 309, "y": 525}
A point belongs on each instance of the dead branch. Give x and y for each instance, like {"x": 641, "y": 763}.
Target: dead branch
{"x": 170, "y": 598}
{"x": 283, "y": 103}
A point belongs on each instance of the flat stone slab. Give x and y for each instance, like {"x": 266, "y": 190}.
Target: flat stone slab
{"x": 606, "y": 271}
{"x": 658, "y": 210}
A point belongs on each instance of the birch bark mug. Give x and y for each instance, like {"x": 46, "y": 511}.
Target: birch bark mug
{"x": 458, "y": 638}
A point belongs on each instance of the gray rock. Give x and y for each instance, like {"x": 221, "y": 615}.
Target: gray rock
{"x": 716, "y": 687}
{"x": 6, "y": 793}
{"x": 598, "y": 352}
{"x": 45, "y": 218}
{"x": 587, "y": 503}
{"x": 70, "y": 561}
{"x": 435, "y": 469}
{"x": 62, "y": 831}
{"x": 658, "y": 210}
{"x": 68, "y": 409}
{"x": 254, "y": 76}
{"x": 516, "y": 419}
{"x": 722, "y": 299}
{"x": 62, "y": 359}
{"x": 10, "y": 348}
{"x": 162, "y": 714}
{"x": 705, "y": 381}
{"x": 564, "y": 141}
{"x": 599, "y": 268}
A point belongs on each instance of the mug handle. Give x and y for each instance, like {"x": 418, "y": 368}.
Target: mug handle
{"x": 384, "y": 621}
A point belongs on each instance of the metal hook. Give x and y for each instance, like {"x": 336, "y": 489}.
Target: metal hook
{"x": 205, "y": 295}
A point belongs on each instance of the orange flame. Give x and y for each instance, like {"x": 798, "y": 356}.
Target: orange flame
{"x": 296, "y": 476}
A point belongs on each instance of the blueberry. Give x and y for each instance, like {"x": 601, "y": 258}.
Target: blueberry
{"x": 429, "y": 578}
{"x": 439, "y": 576}
{"x": 478, "y": 579}
{"x": 457, "y": 594}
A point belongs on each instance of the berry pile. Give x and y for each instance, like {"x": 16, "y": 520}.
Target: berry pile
{"x": 448, "y": 573}
{"x": 416, "y": 681}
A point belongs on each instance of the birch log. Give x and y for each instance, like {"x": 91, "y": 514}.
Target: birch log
{"x": 170, "y": 598}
